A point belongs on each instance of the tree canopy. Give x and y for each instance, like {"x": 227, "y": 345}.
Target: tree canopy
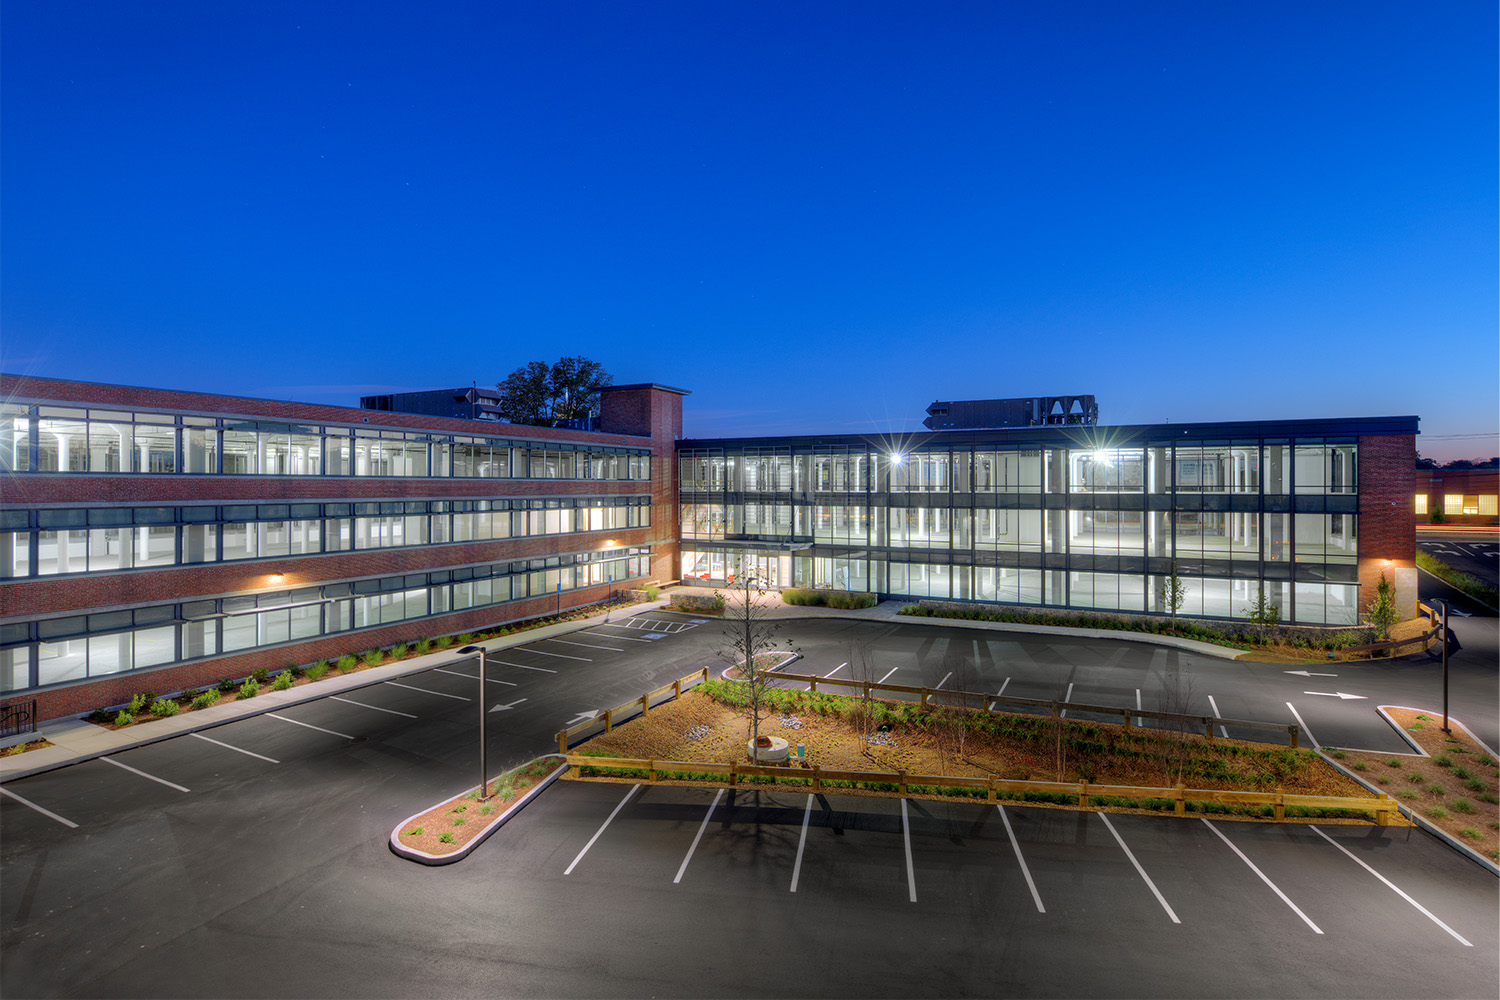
{"x": 538, "y": 394}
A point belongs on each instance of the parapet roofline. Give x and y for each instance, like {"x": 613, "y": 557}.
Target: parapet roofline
{"x": 647, "y": 385}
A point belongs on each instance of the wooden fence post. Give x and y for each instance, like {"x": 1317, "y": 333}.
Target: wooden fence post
{"x": 812, "y": 684}
{"x": 990, "y": 790}
{"x": 901, "y": 780}
{"x": 651, "y": 772}
{"x": 645, "y": 704}
{"x": 1180, "y": 806}
{"x": 562, "y": 741}
{"x": 1293, "y": 731}
{"x": 817, "y": 779}
{"x": 1383, "y": 814}
{"x": 1280, "y": 808}
{"x": 1083, "y": 794}
{"x": 732, "y": 774}
{"x": 1208, "y": 727}
{"x": 609, "y": 719}
{"x": 677, "y": 688}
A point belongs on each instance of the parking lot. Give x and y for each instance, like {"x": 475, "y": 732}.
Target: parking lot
{"x": 844, "y": 891}
{"x": 254, "y": 853}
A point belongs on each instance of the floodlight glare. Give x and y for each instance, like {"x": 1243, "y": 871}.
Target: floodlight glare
{"x": 896, "y": 458}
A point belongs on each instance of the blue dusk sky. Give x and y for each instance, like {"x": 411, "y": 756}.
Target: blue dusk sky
{"x": 817, "y": 217}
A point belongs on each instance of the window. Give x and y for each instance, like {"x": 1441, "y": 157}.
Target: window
{"x": 1421, "y": 503}
{"x": 1487, "y": 505}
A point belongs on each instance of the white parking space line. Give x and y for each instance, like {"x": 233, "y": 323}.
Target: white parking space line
{"x": 330, "y": 732}
{"x": 1310, "y": 737}
{"x": 1425, "y": 912}
{"x": 1139, "y": 870}
{"x": 835, "y": 670}
{"x": 911, "y": 874}
{"x": 148, "y": 777}
{"x": 616, "y": 638}
{"x": 588, "y": 645}
{"x": 1138, "y": 708}
{"x": 1016, "y": 846}
{"x": 226, "y": 746}
{"x": 1215, "y": 706}
{"x": 472, "y": 677}
{"x": 600, "y": 831}
{"x": 1000, "y": 692}
{"x": 373, "y": 708}
{"x": 706, "y": 817}
{"x": 32, "y": 805}
{"x": 883, "y": 679}
{"x": 455, "y": 697}
{"x": 559, "y": 656}
{"x": 1066, "y": 698}
{"x": 1262, "y": 875}
{"x": 522, "y": 666}
{"x": 797, "y": 868}
{"x": 945, "y": 679}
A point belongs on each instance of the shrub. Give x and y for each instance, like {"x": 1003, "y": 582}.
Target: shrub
{"x": 259, "y": 675}
{"x": 847, "y": 601}
{"x": 164, "y": 708}
{"x": 446, "y": 838}
{"x": 225, "y": 685}
{"x": 1470, "y": 832}
{"x": 1463, "y": 773}
{"x": 1461, "y": 806}
{"x": 1437, "y": 812}
{"x": 399, "y": 650}
{"x": 98, "y": 715}
{"x": 124, "y": 718}
{"x": 652, "y": 593}
{"x": 486, "y": 809}
{"x": 422, "y": 646}
{"x": 1443, "y": 760}
{"x": 346, "y": 663}
{"x": 443, "y": 641}
{"x": 141, "y": 703}
{"x": 283, "y": 681}
{"x": 802, "y": 596}
{"x": 414, "y": 833}
{"x": 1435, "y": 788}
{"x": 191, "y": 693}
{"x": 295, "y": 670}
{"x": 1486, "y": 797}
{"x": 1393, "y": 763}
{"x": 249, "y": 689}
{"x": 317, "y": 670}
{"x": 373, "y": 657}
{"x": 465, "y": 638}
{"x": 204, "y": 700}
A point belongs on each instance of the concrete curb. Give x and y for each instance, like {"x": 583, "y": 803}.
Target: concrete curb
{"x": 434, "y": 860}
{"x": 1415, "y": 817}
{"x": 86, "y": 741}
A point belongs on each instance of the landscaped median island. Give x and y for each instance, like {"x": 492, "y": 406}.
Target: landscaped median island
{"x": 1455, "y": 787}
{"x": 448, "y": 831}
{"x": 906, "y": 748}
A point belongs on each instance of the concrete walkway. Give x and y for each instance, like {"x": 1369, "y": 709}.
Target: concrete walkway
{"x": 76, "y": 740}
{"x": 889, "y": 612}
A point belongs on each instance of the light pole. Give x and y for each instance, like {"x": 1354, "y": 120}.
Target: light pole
{"x": 1444, "y": 603}
{"x": 484, "y": 771}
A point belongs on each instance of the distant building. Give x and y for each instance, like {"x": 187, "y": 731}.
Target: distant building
{"x": 473, "y": 403}
{"x": 1036, "y": 411}
{"x": 1464, "y": 496}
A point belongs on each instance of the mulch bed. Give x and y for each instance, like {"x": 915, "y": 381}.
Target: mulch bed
{"x": 465, "y": 817}
{"x": 698, "y": 728}
{"x": 1455, "y": 788}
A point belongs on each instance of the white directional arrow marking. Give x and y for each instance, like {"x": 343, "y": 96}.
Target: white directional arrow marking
{"x": 1337, "y": 694}
{"x": 1304, "y": 673}
{"x": 507, "y": 708}
{"x": 583, "y": 717}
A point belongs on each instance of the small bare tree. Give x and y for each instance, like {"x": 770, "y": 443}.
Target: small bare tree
{"x": 749, "y": 637}
{"x": 862, "y": 670}
{"x": 956, "y": 705}
{"x": 1173, "y": 749}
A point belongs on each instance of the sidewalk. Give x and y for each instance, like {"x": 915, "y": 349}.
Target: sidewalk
{"x": 76, "y": 740}
{"x": 889, "y": 612}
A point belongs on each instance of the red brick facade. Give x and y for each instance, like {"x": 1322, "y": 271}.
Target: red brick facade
{"x": 1387, "y": 535}
{"x": 636, "y": 417}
